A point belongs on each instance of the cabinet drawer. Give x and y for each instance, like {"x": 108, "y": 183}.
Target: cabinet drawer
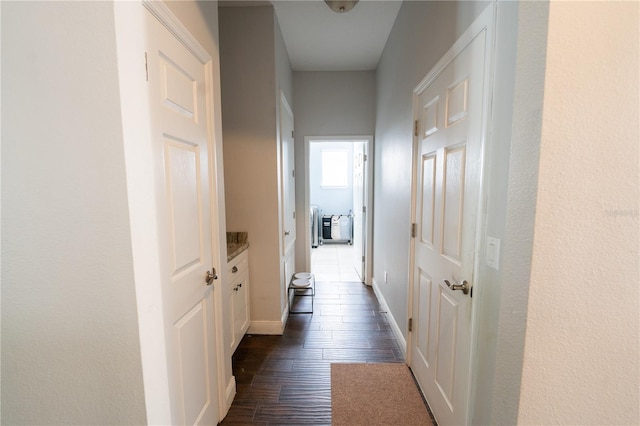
{"x": 238, "y": 265}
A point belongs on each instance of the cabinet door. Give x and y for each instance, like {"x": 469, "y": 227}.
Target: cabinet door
{"x": 237, "y": 299}
{"x": 230, "y": 333}
{"x": 240, "y": 306}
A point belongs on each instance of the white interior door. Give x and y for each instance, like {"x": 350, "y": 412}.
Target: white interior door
{"x": 178, "y": 97}
{"x": 449, "y": 140}
{"x": 288, "y": 178}
{"x": 358, "y": 208}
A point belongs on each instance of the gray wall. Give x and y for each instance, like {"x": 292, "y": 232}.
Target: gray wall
{"x": 328, "y": 104}
{"x": 70, "y": 346}
{"x": 422, "y": 33}
{"x": 510, "y": 176}
{"x": 284, "y": 73}
{"x": 254, "y": 68}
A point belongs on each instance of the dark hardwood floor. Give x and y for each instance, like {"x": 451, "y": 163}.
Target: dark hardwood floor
{"x": 286, "y": 379}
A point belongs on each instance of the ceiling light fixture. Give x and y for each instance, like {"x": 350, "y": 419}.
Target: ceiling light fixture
{"x": 341, "y": 6}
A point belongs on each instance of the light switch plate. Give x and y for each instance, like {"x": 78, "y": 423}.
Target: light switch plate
{"x": 493, "y": 252}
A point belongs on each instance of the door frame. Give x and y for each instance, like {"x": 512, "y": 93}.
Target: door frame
{"x": 368, "y": 199}
{"x": 486, "y": 21}
{"x": 154, "y": 338}
{"x": 283, "y": 104}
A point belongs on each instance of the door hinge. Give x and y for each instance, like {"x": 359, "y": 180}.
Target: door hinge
{"x": 364, "y": 158}
{"x": 294, "y": 215}
{"x": 292, "y": 134}
{"x": 415, "y": 128}
{"x": 410, "y": 324}
{"x": 364, "y": 209}
{"x": 362, "y": 259}
{"x": 414, "y": 230}
{"x": 293, "y": 174}
{"x": 146, "y": 66}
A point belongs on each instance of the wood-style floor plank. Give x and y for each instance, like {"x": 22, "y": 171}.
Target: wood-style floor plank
{"x": 285, "y": 380}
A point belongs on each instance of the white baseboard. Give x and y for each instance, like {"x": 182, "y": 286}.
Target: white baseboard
{"x": 267, "y": 327}
{"x": 230, "y": 394}
{"x": 284, "y": 317}
{"x": 402, "y": 342}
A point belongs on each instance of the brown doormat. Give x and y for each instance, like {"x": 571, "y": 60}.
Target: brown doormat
{"x": 375, "y": 394}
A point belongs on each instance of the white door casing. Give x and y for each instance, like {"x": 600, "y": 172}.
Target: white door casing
{"x": 359, "y": 223}
{"x": 180, "y": 92}
{"x": 450, "y": 109}
{"x": 367, "y": 225}
{"x": 287, "y": 194}
{"x": 288, "y": 179}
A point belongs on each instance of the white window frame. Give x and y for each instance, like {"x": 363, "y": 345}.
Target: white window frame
{"x": 334, "y": 168}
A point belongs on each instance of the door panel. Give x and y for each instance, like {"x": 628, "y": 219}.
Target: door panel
{"x": 448, "y": 159}
{"x": 194, "y": 356}
{"x": 422, "y": 321}
{"x": 457, "y": 102}
{"x": 445, "y": 344}
{"x": 182, "y": 168}
{"x": 453, "y": 202}
{"x": 428, "y": 198}
{"x": 177, "y": 88}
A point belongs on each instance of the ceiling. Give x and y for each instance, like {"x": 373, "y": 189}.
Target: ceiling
{"x": 319, "y": 39}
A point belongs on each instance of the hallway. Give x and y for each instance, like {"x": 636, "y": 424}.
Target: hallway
{"x": 286, "y": 379}
{"x": 333, "y": 262}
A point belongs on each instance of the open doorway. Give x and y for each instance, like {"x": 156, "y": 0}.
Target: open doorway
{"x": 338, "y": 198}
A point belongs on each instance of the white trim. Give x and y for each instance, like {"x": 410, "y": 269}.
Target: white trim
{"x": 270, "y": 327}
{"x": 218, "y": 227}
{"x": 267, "y": 327}
{"x": 285, "y": 314}
{"x": 368, "y": 249}
{"x": 175, "y": 27}
{"x": 230, "y": 394}
{"x": 285, "y": 103}
{"x": 281, "y": 196}
{"x": 397, "y": 332}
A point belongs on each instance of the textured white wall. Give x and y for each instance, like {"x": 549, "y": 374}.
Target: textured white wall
{"x": 581, "y": 363}
{"x": 327, "y": 104}
{"x": 70, "y": 348}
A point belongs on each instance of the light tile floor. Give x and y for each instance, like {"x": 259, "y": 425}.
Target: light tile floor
{"x": 334, "y": 262}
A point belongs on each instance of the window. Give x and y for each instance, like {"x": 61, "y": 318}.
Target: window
{"x": 334, "y": 168}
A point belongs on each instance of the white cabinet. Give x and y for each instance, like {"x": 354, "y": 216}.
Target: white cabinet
{"x": 237, "y": 290}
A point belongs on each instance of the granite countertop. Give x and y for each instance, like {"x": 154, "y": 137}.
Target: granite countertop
{"x": 237, "y": 242}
